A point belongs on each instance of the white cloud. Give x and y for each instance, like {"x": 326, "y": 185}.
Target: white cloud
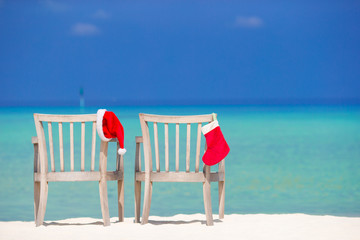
{"x": 84, "y": 29}
{"x": 55, "y": 6}
{"x": 248, "y": 22}
{"x": 101, "y": 14}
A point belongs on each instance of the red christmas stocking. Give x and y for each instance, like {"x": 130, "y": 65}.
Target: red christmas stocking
{"x": 217, "y": 148}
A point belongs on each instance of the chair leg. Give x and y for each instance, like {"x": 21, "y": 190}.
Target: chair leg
{"x": 121, "y": 200}
{"x": 207, "y": 197}
{"x": 137, "y": 200}
{"x": 147, "y": 202}
{"x": 221, "y": 199}
{"x": 42, "y": 190}
{"x": 104, "y": 202}
{"x": 36, "y": 198}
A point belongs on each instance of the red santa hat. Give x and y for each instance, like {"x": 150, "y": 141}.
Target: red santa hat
{"x": 108, "y": 126}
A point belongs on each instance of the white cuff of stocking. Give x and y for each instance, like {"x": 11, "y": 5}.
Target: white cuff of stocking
{"x": 209, "y": 127}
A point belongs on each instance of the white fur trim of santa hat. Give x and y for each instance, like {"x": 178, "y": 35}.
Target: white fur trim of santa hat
{"x": 99, "y": 126}
{"x": 208, "y": 127}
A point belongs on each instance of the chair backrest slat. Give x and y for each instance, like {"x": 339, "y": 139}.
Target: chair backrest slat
{"x": 71, "y": 146}
{"x": 188, "y": 131}
{"x": 177, "y": 148}
{"x": 82, "y": 146}
{"x": 222, "y": 166}
{"x": 93, "y": 145}
{"x": 51, "y": 147}
{"x": 60, "y": 120}
{"x": 146, "y": 143}
{"x": 42, "y": 146}
{"x": 198, "y": 143}
{"x": 156, "y": 146}
{"x": 61, "y": 147}
{"x": 119, "y": 159}
{"x": 145, "y": 119}
{"x": 166, "y": 130}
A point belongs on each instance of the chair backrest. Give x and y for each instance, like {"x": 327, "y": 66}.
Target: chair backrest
{"x": 147, "y": 119}
{"x": 42, "y": 119}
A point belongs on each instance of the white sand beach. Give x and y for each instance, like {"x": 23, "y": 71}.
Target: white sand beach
{"x": 234, "y": 226}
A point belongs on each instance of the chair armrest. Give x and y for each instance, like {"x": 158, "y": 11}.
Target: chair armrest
{"x": 139, "y": 139}
{"x": 34, "y": 140}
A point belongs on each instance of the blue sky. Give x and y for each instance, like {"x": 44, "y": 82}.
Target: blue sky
{"x": 167, "y": 52}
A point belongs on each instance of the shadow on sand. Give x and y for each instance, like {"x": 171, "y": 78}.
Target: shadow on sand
{"x": 154, "y": 222}
{"x": 46, "y": 224}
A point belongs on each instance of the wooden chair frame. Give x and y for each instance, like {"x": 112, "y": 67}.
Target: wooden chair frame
{"x": 149, "y": 175}
{"x": 42, "y": 176}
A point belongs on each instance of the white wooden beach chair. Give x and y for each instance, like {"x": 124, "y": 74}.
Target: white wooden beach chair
{"x": 151, "y": 175}
{"x": 42, "y": 175}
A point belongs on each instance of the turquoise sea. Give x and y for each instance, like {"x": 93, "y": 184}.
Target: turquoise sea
{"x": 283, "y": 159}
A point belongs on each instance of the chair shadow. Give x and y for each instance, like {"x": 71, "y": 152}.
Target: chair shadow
{"x": 154, "y": 222}
{"x": 46, "y": 224}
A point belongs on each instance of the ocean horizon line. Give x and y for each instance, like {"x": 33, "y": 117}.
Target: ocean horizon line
{"x": 223, "y": 102}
